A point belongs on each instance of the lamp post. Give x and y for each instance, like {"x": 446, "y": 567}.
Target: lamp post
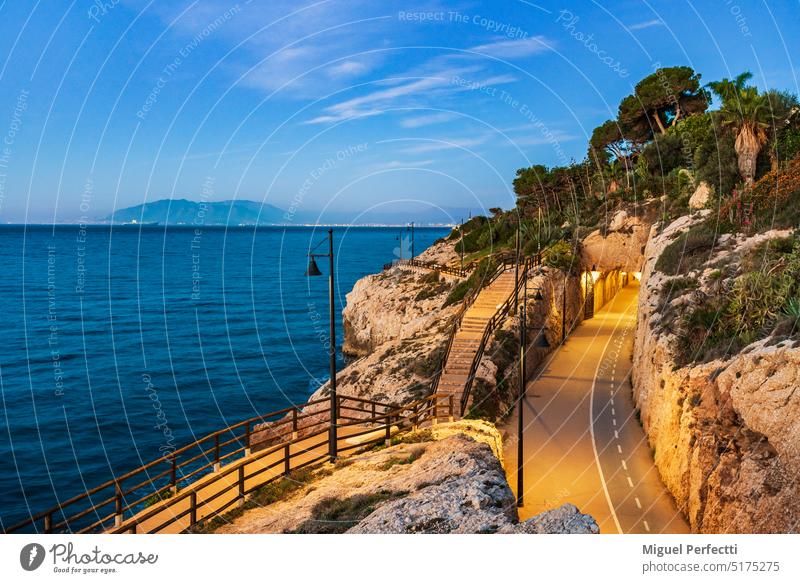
{"x": 312, "y": 271}
{"x": 412, "y": 239}
{"x": 541, "y": 343}
{"x": 564, "y": 310}
{"x": 461, "y": 232}
{"x": 516, "y": 267}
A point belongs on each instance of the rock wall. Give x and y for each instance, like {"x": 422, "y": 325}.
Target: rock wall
{"x": 725, "y": 434}
{"x": 621, "y": 246}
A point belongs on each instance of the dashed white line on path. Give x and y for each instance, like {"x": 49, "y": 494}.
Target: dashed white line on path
{"x": 616, "y": 434}
{"x": 624, "y": 466}
{"x": 646, "y": 526}
{"x": 638, "y": 504}
{"x": 630, "y": 482}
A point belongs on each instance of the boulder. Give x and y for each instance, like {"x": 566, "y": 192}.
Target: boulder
{"x": 566, "y": 519}
{"x": 699, "y": 200}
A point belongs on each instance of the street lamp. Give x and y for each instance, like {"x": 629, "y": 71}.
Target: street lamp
{"x": 461, "y": 232}
{"x": 541, "y": 342}
{"x": 313, "y": 271}
{"x": 411, "y": 228}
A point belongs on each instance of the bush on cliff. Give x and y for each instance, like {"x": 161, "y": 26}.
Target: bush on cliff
{"x": 688, "y": 251}
{"x": 751, "y": 306}
{"x": 561, "y": 255}
{"x": 477, "y": 279}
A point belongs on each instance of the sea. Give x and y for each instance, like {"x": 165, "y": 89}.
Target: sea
{"x": 119, "y": 342}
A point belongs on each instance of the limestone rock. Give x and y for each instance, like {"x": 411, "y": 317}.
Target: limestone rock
{"x": 447, "y": 479}
{"x": 565, "y": 519}
{"x": 726, "y": 434}
{"x": 699, "y": 200}
{"x": 622, "y": 247}
{"x": 396, "y": 303}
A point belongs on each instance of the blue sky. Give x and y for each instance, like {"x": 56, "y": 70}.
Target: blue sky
{"x": 338, "y": 105}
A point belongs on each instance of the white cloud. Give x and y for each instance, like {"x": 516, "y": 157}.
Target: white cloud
{"x": 394, "y": 164}
{"x": 514, "y": 48}
{"x": 347, "y": 69}
{"x": 376, "y": 102}
{"x": 426, "y": 120}
{"x": 447, "y": 144}
{"x": 646, "y": 24}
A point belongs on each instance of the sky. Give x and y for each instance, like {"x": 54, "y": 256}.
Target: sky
{"x": 336, "y": 106}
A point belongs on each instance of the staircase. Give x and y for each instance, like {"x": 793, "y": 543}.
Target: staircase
{"x": 469, "y": 339}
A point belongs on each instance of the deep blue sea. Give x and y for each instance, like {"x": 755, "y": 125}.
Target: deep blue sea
{"x": 110, "y": 337}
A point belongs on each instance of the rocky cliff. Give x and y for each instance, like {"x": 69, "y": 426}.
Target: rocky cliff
{"x": 397, "y": 303}
{"x": 447, "y": 479}
{"x": 725, "y": 431}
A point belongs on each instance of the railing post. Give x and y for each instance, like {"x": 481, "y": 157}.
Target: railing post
{"x": 117, "y": 504}
{"x": 247, "y": 439}
{"x": 287, "y": 460}
{"x": 173, "y": 475}
{"x": 48, "y": 523}
{"x": 216, "y": 452}
{"x": 435, "y": 416}
{"x": 415, "y": 418}
{"x": 450, "y": 407}
{"x": 373, "y": 412}
{"x": 388, "y": 438}
{"x": 192, "y": 509}
{"x": 294, "y": 423}
{"x": 241, "y": 485}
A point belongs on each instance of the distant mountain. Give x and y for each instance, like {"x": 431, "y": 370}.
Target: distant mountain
{"x": 188, "y": 212}
{"x": 247, "y": 212}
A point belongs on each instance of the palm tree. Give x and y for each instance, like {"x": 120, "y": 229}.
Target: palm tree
{"x": 746, "y": 112}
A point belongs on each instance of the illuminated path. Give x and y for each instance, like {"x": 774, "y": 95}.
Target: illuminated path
{"x": 582, "y": 442}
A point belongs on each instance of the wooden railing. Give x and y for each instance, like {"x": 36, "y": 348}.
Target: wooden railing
{"x": 133, "y": 502}
{"x": 456, "y": 271}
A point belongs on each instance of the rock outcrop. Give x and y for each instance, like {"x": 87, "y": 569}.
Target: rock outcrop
{"x": 620, "y": 247}
{"x": 447, "y": 479}
{"x": 725, "y": 433}
{"x": 700, "y": 197}
{"x": 396, "y": 303}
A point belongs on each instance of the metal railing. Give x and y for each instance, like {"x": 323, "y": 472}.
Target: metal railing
{"x": 290, "y": 442}
{"x": 456, "y": 271}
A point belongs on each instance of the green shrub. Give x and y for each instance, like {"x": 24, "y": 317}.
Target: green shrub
{"x": 762, "y": 300}
{"x": 561, "y": 255}
{"x": 476, "y": 279}
{"x": 688, "y": 251}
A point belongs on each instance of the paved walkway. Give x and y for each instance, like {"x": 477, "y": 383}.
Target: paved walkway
{"x": 468, "y": 338}
{"x": 582, "y": 442}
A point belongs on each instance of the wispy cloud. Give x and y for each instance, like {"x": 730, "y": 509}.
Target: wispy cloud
{"x": 394, "y": 164}
{"x": 515, "y": 48}
{"x": 646, "y": 24}
{"x": 426, "y": 120}
{"x": 438, "y": 145}
{"x": 376, "y": 102}
{"x": 348, "y": 69}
